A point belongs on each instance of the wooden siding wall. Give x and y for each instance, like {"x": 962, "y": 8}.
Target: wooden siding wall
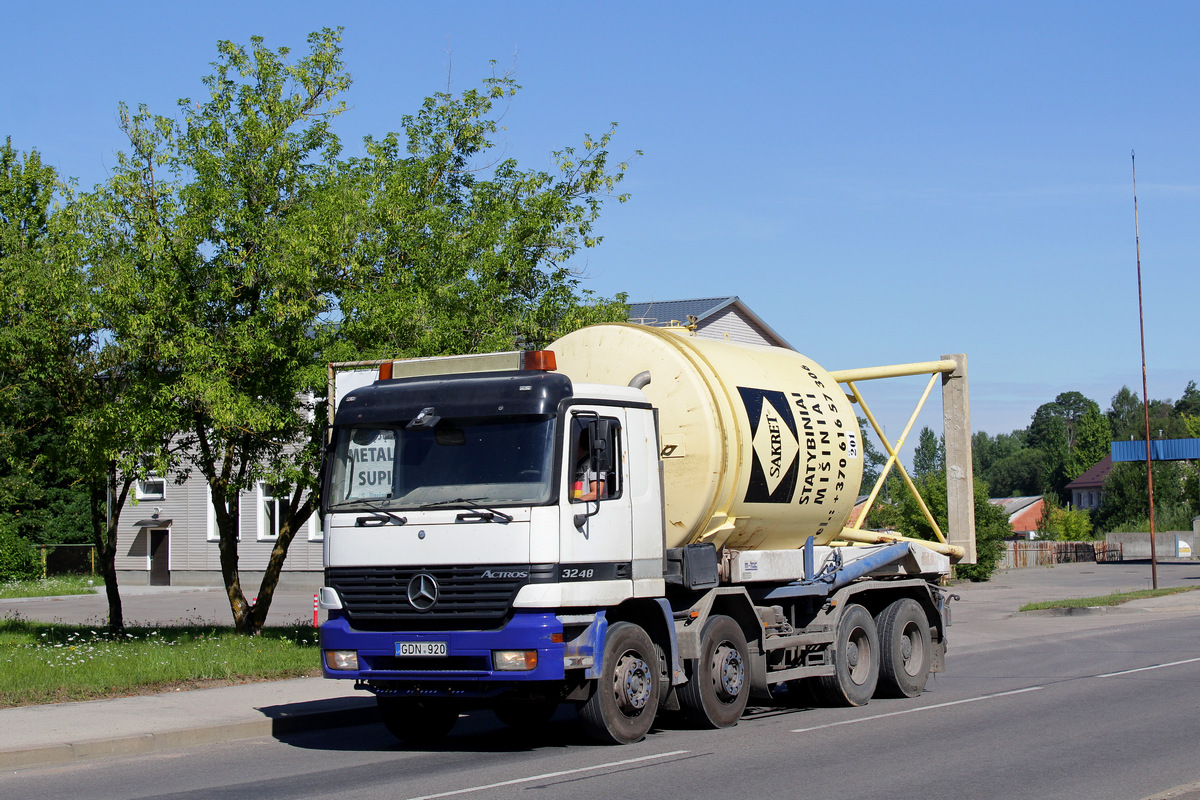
{"x": 186, "y": 506}
{"x": 728, "y": 324}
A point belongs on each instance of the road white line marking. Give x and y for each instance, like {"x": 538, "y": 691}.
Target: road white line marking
{"x": 546, "y": 775}
{"x": 1143, "y": 669}
{"x": 922, "y": 708}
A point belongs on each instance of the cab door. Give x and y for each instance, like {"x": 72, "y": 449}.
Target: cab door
{"x": 596, "y": 529}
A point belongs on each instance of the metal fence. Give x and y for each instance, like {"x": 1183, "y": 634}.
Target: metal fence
{"x": 1038, "y": 554}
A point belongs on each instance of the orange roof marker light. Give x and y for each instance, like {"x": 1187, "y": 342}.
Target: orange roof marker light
{"x": 385, "y": 371}
{"x": 542, "y": 360}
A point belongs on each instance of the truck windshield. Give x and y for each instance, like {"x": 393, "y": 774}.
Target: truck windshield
{"x": 505, "y": 461}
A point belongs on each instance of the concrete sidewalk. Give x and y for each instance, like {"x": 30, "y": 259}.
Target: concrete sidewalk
{"x": 63, "y": 732}
{"x": 986, "y": 615}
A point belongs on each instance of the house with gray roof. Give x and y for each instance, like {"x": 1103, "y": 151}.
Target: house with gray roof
{"x": 714, "y": 317}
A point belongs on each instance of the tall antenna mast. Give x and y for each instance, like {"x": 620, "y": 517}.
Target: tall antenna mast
{"x": 1145, "y": 396}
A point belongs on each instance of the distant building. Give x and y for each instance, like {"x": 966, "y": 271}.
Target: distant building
{"x": 1087, "y": 490}
{"x": 1024, "y": 514}
{"x": 714, "y": 318}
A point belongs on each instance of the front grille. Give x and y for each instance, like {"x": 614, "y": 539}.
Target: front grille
{"x": 376, "y": 598}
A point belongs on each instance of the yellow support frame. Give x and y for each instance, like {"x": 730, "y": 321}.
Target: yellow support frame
{"x": 855, "y": 533}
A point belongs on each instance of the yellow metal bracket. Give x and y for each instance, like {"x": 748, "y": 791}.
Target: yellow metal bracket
{"x": 855, "y": 532}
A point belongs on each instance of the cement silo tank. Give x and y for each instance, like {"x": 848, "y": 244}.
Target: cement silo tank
{"x": 760, "y": 446}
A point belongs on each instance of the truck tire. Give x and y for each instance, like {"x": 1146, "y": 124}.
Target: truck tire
{"x": 417, "y": 721}
{"x": 625, "y": 697}
{"x": 906, "y": 649}
{"x": 718, "y": 684}
{"x": 856, "y": 662}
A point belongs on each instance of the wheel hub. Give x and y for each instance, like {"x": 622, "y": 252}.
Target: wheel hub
{"x": 852, "y": 653}
{"x": 729, "y": 671}
{"x": 632, "y": 683}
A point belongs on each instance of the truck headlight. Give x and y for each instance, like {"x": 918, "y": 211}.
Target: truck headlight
{"x": 341, "y": 659}
{"x": 514, "y": 660}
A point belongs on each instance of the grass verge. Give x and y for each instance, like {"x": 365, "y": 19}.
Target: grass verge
{"x": 51, "y": 663}
{"x": 50, "y": 587}
{"x": 1115, "y": 599}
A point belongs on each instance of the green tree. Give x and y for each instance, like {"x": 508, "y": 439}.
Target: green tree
{"x": 1064, "y": 524}
{"x": 1192, "y": 423}
{"x": 235, "y": 255}
{"x": 873, "y": 457}
{"x": 1018, "y": 475}
{"x": 1072, "y": 435}
{"x": 54, "y": 407}
{"x": 905, "y": 515}
{"x": 986, "y": 450}
{"x": 1093, "y": 441}
{"x": 929, "y": 456}
{"x": 42, "y": 339}
{"x": 1126, "y": 497}
{"x": 1006, "y": 464}
{"x": 1189, "y": 403}
{"x": 455, "y": 258}
{"x": 215, "y": 242}
{"x": 1126, "y": 417}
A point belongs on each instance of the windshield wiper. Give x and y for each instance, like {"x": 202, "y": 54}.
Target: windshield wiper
{"x": 484, "y": 512}
{"x": 378, "y": 518}
{"x": 378, "y": 511}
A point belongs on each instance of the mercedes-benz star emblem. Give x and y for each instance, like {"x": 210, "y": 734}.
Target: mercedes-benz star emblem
{"x": 422, "y": 591}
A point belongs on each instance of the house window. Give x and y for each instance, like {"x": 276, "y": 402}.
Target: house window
{"x": 213, "y": 534}
{"x": 151, "y": 488}
{"x": 272, "y": 508}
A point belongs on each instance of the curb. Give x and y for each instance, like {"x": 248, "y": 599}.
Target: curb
{"x": 342, "y": 713}
{"x": 1075, "y": 611}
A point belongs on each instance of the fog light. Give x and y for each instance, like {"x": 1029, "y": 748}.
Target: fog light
{"x": 341, "y": 659}
{"x": 514, "y": 660}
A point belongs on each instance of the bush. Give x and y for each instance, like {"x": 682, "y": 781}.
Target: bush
{"x": 991, "y": 523}
{"x": 1167, "y": 517}
{"x": 19, "y": 559}
{"x": 1064, "y": 524}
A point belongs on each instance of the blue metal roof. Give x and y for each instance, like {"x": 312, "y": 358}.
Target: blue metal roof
{"x": 1160, "y": 450}
{"x": 662, "y": 312}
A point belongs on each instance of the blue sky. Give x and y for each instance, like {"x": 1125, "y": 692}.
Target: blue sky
{"x": 881, "y": 183}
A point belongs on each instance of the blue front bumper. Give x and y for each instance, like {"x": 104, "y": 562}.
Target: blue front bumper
{"x": 468, "y": 656}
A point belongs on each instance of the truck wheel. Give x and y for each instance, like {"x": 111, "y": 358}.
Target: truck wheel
{"x": 625, "y": 698}
{"x": 417, "y": 721}
{"x": 856, "y": 661}
{"x": 718, "y": 684}
{"x": 525, "y": 714}
{"x": 905, "y": 649}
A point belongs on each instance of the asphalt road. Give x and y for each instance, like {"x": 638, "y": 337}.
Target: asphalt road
{"x": 1104, "y": 706}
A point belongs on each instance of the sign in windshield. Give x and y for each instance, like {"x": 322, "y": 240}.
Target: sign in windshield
{"x": 369, "y": 458}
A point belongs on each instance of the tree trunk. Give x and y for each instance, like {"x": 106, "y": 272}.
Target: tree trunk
{"x": 287, "y": 532}
{"x": 104, "y": 537}
{"x": 228, "y": 525}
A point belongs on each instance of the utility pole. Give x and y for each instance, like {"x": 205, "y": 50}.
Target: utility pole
{"x": 1145, "y": 395}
